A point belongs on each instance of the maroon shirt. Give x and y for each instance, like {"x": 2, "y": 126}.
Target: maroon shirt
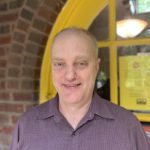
{"x": 105, "y": 127}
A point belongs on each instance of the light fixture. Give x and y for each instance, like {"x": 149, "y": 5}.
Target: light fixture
{"x": 129, "y": 28}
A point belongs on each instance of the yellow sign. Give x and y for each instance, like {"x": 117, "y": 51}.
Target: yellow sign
{"x": 134, "y": 74}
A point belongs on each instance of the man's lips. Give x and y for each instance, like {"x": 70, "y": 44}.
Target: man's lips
{"x": 71, "y": 85}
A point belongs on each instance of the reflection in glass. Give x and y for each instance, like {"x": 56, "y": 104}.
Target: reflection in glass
{"x": 134, "y": 50}
{"x": 142, "y": 6}
{"x": 103, "y": 77}
{"x": 127, "y": 9}
{"x": 99, "y": 27}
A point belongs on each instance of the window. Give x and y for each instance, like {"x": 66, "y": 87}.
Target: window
{"x": 143, "y": 6}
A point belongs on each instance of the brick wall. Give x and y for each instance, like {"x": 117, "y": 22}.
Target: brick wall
{"x": 24, "y": 29}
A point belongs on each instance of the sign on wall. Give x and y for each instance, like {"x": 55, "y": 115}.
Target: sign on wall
{"x": 134, "y": 74}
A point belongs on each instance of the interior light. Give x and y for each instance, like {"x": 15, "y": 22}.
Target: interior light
{"x": 129, "y": 28}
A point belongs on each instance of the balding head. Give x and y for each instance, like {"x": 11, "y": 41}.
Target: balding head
{"x": 78, "y": 33}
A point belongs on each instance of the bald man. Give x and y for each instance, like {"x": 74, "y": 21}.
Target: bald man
{"x": 77, "y": 118}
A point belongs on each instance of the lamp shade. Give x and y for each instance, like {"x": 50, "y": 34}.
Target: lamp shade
{"x": 129, "y": 28}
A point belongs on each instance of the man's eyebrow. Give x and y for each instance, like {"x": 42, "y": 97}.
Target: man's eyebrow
{"x": 57, "y": 59}
{"x": 81, "y": 57}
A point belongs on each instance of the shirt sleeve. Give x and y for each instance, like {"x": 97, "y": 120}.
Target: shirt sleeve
{"x": 139, "y": 137}
{"x": 15, "y": 138}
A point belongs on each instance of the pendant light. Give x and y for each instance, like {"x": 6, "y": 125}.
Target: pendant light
{"x": 130, "y": 27}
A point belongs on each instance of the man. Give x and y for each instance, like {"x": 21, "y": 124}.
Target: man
{"x": 77, "y": 118}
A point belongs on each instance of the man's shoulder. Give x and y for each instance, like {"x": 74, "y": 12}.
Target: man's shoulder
{"x": 38, "y": 111}
{"x": 119, "y": 113}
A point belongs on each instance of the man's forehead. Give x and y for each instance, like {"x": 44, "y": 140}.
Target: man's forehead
{"x": 77, "y": 37}
{"x": 71, "y": 34}
{"x": 74, "y": 45}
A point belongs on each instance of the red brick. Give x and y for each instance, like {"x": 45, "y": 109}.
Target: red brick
{"x": 38, "y": 38}
{"x": 22, "y": 96}
{"x": 15, "y": 4}
{"x": 5, "y": 29}
{"x": 1, "y": 128}
{"x": 28, "y": 60}
{"x": 4, "y": 118}
{"x": 2, "y": 52}
{"x": 4, "y": 96}
{"x": 48, "y": 29}
{"x": 8, "y": 17}
{"x": 8, "y": 129}
{"x": 13, "y": 72}
{"x": 34, "y": 49}
{"x": 32, "y": 4}
{"x": 23, "y": 25}
{"x": 27, "y": 84}
{"x": 18, "y": 108}
{"x": 46, "y": 13}
{"x": 2, "y": 84}
{"x": 2, "y": 73}
{"x": 27, "y": 14}
{"x": 14, "y": 118}
{"x": 42, "y": 26}
{"x": 3, "y": 63}
{"x": 5, "y": 40}
{"x": 54, "y": 4}
{"x": 37, "y": 74}
{"x": 28, "y": 72}
{"x": 3, "y": 7}
{"x": 12, "y": 84}
{"x": 13, "y": 26}
{"x": 20, "y": 37}
{"x": 5, "y": 139}
{"x": 17, "y": 48}
{"x": 15, "y": 60}
{"x": 2, "y": 108}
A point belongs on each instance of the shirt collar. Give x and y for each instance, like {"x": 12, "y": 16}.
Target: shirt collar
{"x": 48, "y": 109}
{"x": 98, "y": 106}
{"x": 101, "y": 107}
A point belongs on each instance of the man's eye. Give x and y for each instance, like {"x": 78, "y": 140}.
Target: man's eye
{"x": 81, "y": 64}
{"x": 58, "y": 65}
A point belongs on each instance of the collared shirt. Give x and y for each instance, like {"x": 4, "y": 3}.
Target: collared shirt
{"x": 105, "y": 127}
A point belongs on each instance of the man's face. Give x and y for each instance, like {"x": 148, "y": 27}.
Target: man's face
{"x": 74, "y": 68}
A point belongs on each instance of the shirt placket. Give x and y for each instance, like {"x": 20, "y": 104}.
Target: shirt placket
{"x": 74, "y": 141}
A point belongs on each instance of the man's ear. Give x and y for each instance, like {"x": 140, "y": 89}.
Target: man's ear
{"x": 98, "y": 63}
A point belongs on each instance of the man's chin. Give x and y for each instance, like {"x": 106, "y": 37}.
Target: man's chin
{"x": 71, "y": 98}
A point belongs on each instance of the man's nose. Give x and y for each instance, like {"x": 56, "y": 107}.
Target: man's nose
{"x": 70, "y": 73}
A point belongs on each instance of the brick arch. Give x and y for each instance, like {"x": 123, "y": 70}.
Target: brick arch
{"x": 29, "y": 38}
{"x": 24, "y": 30}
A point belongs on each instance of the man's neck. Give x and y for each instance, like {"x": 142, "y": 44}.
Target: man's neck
{"x": 74, "y": 112}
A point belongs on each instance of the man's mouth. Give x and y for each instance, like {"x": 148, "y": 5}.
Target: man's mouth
{"x": 71, "y": 85}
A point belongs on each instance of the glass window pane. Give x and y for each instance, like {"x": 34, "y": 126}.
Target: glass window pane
{"x": 143, "y": 6}
{"x": 103, "y": 78}
{"x": 99, "y": 27}
{"x": 134, "y": 78}
{"x": 127, "y": 28}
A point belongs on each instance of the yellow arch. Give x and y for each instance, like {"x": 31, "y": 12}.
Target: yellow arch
{"x": 79, "y": 13}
